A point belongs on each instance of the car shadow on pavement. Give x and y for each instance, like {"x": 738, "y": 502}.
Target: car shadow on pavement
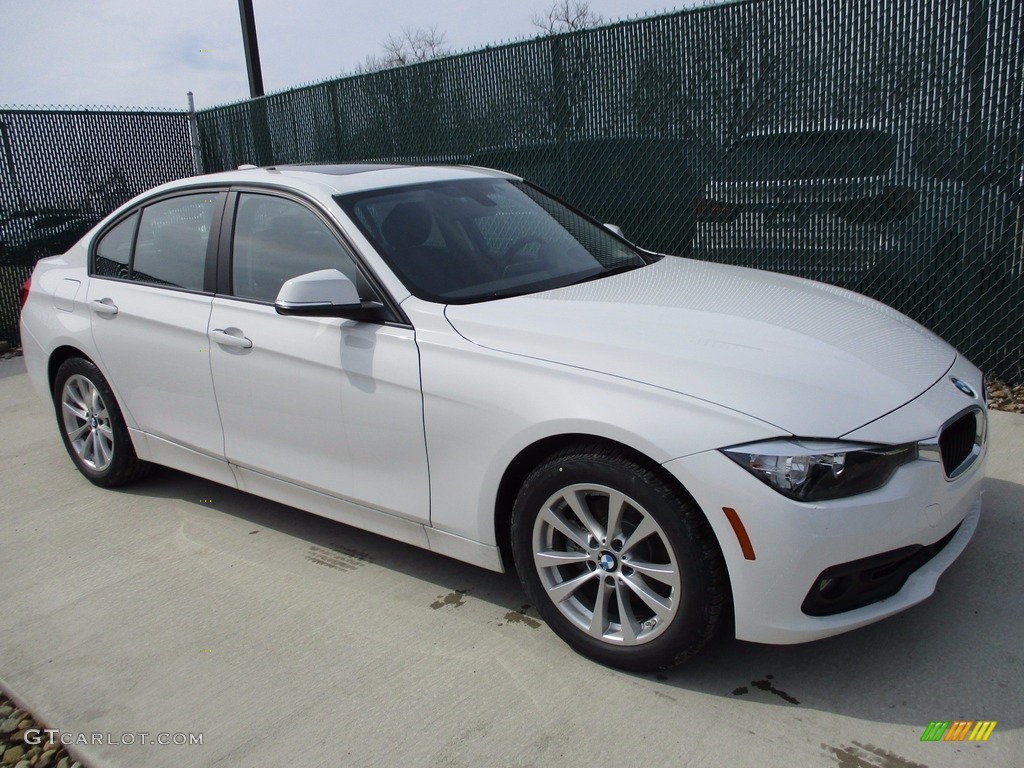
{"x": 327, "y": 536}
{"x": 957, "y": 655}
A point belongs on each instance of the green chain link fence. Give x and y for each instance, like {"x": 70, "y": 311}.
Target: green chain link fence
{"x": 877, "y": 146}
{"x": 62, "y": 171}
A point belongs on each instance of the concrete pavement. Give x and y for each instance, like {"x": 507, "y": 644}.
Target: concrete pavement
{"x": 179, "y": 606}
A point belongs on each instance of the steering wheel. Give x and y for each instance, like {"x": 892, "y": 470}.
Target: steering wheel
{"x": 519, "y": 244}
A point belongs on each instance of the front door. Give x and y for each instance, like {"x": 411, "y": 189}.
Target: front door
{"x": 329, "y": 404}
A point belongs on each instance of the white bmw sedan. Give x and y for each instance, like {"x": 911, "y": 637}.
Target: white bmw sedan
{"x": 452, "y": 358}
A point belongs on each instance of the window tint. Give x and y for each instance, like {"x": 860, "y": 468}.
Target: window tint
{"x": 277, "y": 239}
{"x": 481, "y": 239}
{"x": 114, "y": 250}
{"x": 171, "y": 246}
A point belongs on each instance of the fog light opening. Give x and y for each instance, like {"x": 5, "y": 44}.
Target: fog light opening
{"x": 830, "y": 589}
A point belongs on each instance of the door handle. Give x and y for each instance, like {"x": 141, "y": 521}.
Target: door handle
{"x": 231, "y": 337}
{"x": 103, "y": 307}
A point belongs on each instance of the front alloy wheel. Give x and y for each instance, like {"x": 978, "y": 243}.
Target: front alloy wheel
{"x": 619, "y": 561}
{"x": 606, "y": 564}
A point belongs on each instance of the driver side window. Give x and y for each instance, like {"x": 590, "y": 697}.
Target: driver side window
{"x": 276, "y": 239}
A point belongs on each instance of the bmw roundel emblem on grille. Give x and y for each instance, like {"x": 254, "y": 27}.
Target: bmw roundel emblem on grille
{"x": 963, "y": 386}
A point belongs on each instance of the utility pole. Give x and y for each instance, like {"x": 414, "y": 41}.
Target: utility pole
{"x": 252, "y": 50}
{"x": 259, "y": 124}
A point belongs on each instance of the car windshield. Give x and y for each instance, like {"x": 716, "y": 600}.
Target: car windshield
{"x": 809, "y": 155}
{"x": 473, "y": 240}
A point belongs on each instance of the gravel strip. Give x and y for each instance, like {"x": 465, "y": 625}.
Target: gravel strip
{"x": 19, "y": 732}
{"x": 1005, "y": 397}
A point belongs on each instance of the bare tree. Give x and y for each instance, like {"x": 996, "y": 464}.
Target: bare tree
{"x": 730, "y": 79}
{"x": 566, "y": 16}
{"x": 408, "y": 47}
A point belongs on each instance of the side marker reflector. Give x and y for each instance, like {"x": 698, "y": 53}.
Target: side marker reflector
{"x": 741, "y": 533}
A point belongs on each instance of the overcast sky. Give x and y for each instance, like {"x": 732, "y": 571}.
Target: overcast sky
{"x": 149, "y": 53}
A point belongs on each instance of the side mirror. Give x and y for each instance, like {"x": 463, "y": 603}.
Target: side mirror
{"x": 616, "y": 229}
{"x": 325, "y": 293}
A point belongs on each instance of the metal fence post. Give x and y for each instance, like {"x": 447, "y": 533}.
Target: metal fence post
{"x": 193, "y": 132}
{"x": 977, "y": 42}
{"x": 5, "y": 138}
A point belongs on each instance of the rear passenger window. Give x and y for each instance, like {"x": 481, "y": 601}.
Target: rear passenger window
{"x": 114, "y": 250}
{"x": 171, "y": 245}
{"x": 277, "y": 239}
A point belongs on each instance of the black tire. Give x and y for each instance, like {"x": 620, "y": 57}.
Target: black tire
{"x": 675, "y": 537}
{"x": 92, "y": 427}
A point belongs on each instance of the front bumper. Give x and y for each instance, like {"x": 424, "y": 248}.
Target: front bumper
{"x": 794, "y": 544}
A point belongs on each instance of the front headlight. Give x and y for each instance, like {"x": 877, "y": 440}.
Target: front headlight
{"x": 817, "y": 470}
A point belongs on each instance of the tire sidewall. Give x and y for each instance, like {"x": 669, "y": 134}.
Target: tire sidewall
{"x": 124, "y": 454}
{"x": 688, "y": 627}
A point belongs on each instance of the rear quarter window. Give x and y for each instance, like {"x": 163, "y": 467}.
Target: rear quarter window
{"x": 114, "y": 250}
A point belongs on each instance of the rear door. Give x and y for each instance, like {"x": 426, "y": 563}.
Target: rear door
{"x": 150, "y": 295}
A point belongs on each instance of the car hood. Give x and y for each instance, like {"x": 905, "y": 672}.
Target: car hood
{"x": 810, "y": 359}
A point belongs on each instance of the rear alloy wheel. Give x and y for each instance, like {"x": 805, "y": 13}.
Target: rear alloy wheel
{"x": 621, "y": 565}
{"x": 92, "y": 426}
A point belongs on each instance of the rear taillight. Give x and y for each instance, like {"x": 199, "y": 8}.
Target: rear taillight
{"x": 891, "y": 204}
{"x": 25, "y": 288}
{"x": 715, "y": 211}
